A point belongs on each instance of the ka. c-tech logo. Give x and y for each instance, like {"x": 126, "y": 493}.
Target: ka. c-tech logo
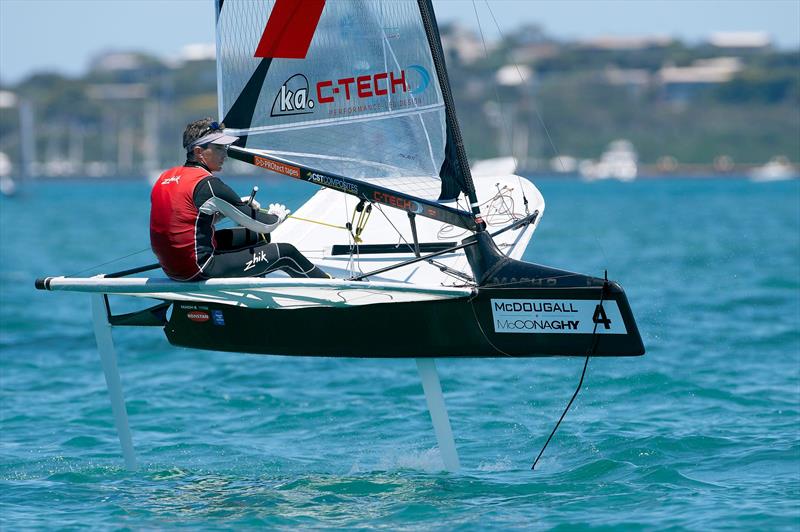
{"x": 292, "y": 98}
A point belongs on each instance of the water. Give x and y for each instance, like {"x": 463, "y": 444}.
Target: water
{"x": 702, "y": 432}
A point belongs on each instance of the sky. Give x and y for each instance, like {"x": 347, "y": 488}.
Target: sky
{"x": 63, "y": 35}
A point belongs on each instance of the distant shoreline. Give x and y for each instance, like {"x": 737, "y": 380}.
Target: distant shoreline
{"x": 699, "y": 175}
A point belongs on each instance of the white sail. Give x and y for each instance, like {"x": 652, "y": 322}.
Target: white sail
{"x": 346, "y": 86}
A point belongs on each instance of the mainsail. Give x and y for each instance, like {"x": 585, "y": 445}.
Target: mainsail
{"x": 349, "y": 87}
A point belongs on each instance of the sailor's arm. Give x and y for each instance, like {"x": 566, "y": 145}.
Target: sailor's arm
{"x": 214, "y": 196}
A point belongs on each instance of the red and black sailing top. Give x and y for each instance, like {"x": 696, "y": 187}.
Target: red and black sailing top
{"x": 184, "y": 204}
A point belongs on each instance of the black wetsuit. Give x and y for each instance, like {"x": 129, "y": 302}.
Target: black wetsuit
{"x": 188, "y": 247}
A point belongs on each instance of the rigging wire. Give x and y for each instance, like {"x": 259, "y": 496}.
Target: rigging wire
{"x": 399, "y": 234}
{"x": 108, "y": 262}
{"x": 499, "y": 210}
{"x": 540, "y": 119}
{"x": 402, "y": 240}
{"x": 507, "y": 126}
{"x": 522, "y": 78}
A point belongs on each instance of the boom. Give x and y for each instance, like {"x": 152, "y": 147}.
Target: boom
{"x": 360, "y": 189}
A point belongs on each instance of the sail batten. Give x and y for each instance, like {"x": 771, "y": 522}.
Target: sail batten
{"x": 323, "y": 122}
{"x": 352, "y": 90}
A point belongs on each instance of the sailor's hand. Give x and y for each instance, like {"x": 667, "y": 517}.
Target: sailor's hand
{"x": 278, "y": 210}
{"x": 251, "y": 201}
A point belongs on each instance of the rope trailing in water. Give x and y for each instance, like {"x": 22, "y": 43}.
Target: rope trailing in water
{"x": 592, "y": 351}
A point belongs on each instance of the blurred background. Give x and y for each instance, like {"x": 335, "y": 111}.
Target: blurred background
{"x": 601, "y": 89}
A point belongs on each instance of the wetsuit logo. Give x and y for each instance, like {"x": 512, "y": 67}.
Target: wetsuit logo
{"x": 292, "y": 98}
{"x": 259, "y": 256}
{"x": 174, "y": 179}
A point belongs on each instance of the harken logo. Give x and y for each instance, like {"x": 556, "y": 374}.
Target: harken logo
{"x": 292, "y": 98}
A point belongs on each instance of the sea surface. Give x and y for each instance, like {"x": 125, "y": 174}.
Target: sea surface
{"x": 703, "y": 432}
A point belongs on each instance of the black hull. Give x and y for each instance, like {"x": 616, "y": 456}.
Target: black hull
{"x": 518, "y": 310}
{"x": 447, "y": 328}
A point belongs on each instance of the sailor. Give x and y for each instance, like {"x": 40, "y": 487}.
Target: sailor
{"x": 186, "y": 202}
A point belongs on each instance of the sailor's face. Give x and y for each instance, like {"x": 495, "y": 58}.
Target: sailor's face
{"x": 213, "y": 155}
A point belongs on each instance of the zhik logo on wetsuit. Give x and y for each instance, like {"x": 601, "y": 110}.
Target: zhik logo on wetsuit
{"x": 258, "y": 257}
{"x": 174, "y": 179}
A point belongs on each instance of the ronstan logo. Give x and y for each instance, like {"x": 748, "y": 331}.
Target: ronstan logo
{"x": 198, "y": 315}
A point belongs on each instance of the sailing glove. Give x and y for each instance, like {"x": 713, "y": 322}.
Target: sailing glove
{"x": 278, "y": 210}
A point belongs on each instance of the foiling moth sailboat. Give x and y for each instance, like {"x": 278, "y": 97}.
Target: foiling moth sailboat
{"x": 353, "y": 96}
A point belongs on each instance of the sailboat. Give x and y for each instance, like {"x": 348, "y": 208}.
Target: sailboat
{"x": 7, "y": 185}
{"x": 353, "y": 97}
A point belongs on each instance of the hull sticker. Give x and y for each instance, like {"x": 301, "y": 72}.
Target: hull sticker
{"x": 556, "y": 316}
{"x": 198, "y": 315}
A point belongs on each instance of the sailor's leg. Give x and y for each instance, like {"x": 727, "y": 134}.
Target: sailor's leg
{"x": 291, "y": 261}
{"x": 441, "y": 422}
{"x": 108, "y": 358}
{"x": 260, "y": 260}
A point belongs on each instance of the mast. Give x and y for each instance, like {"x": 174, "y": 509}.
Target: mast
{"x": 455, "y": 142}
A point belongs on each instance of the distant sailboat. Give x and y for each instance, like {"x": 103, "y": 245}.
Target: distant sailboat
{"x": 777, "y": 169}
{"x": 150, "y": 166}
{"x": 494, "y": 167}
{"x": 619, "y": 161}
{"x": 7, "y": 185}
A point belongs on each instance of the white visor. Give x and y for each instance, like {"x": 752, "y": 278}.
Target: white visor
{"x": 215, "y": 137}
